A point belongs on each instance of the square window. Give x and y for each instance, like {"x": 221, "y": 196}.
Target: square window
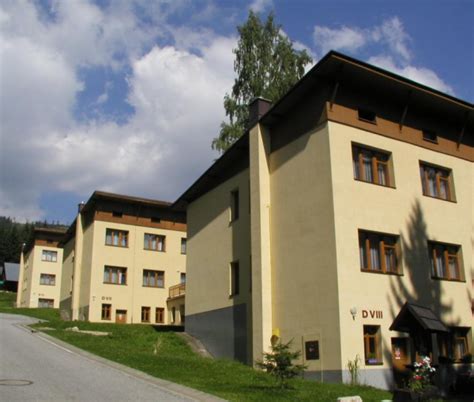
{"x": 372, "y": 166}
{"x": 118, "y": 238}
{"x": 154, "y": 279}
{"x": 430, "y": 136}
{"x": 48, "y": 279}
{"x": 437, "y": 182}
{"x": 154, "y": 242}
{"x": 49, "y": 255}
{"x": 446, "y": 261}
{"x": 45, "y": 303}
{"x": 379, "y": 252}
{"x": 372, "y": 344}
{"x": 367, "y": 115}
{"x": 115, "y": 275}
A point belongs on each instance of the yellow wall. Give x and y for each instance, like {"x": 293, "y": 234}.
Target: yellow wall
{"x": 213, "y": 243}
{"x": 401, "y": 211}
{"x": 305, "y": 288}
{"x": 32, "y": 269}
{"x": 132, "y": 296}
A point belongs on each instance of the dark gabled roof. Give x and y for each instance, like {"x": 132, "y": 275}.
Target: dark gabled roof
{"x": 332, "y": 68}
{"x": 424, "y": 316}
{"x": 102, "y": 195}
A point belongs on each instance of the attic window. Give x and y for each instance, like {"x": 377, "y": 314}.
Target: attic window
{"x": 155, "y": 219}
{"x": 367, "y": 115}
{"x": 117, "y": 214}
{"x": 430, "y": 135}
{"x": 49, "y": 241}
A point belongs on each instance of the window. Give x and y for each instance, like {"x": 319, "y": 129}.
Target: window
{"x": 155, "y": 219}
{"x": 234, "y": 205}
{"x": 372, "y": 166}
{"x": 454, "y": 346}
{"x": 48, "y": 279}
{"x": 367, "y": 115}
{"x": 117, "y": 214}
{"x": 106, "y": 312}
{"x": 50, "y": 256}
{"x": 160, "y": 315}
{"x": 145, "y": 314}
{"x": 431, "y": 136}
{"x": 114, "y": 237}
{"x": 183, "y": 277}
{"x": 115, "y": 275}
{"x": 436, "y": 182}
{"x": 45, "y": 303}
{"x": 183, "y": 245}
{"x": 154, "y": 242}
{"x": 234, "y": 278}
{"x": 154, "y": 279}
{"x": 379, "y": 252}
{"x": 445, "y": 261}
{"x": 372, "y": 344}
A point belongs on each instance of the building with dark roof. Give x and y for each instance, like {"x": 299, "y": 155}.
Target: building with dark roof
{"x": 342, "y": 220}
{"x": 125, "y": 261}
{"x": 40, "y": 269}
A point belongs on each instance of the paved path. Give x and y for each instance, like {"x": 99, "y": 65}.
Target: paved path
{"x": 36, "y": 367}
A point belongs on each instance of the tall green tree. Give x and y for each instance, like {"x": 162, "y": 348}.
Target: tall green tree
{"x": 266, "y": 65}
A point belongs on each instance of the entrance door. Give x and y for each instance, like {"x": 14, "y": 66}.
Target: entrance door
{"x": 121, "y": 316}
{"x": 400, "y": 360}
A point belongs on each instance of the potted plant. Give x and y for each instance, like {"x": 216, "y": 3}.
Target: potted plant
{"x": 420, "y": 386}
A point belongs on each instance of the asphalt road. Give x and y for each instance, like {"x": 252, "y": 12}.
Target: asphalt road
{"x": 33, "y": 368}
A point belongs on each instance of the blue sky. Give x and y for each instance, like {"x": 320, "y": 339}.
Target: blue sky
{"x": 126, "y": 96}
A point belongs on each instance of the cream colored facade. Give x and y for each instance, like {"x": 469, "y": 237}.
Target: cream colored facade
{"x": 126, "y": 282}
{"x": 40, "y": 271}
{"x": 300, "y": 243}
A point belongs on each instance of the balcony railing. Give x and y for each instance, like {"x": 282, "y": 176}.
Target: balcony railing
{"x": 177, "y": 290}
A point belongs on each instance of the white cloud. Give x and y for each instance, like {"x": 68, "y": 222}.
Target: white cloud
{"x": 259, "y": 6}
{"x": 176, "y": 94}
{"x": 422, "y": 75}
{"x": 344, "y": 39}
{"x": 389, "y": 45}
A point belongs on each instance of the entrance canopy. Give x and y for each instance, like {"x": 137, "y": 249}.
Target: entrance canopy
{"x": 411, "y": 314}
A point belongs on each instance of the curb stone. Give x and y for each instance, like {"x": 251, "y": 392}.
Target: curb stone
{"x": 171, "y": 387}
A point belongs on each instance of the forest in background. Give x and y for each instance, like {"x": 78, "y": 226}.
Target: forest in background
{"x": 14, "y": 234}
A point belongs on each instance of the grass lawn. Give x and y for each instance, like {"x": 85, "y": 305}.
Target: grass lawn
{"x": 166, "y": 355}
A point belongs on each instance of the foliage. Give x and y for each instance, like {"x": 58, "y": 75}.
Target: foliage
{"x": 266, "y": 65}
{"x": 354, "y": 367}
{"x": 422, "y": 375}
{"x": 279, "y": 363}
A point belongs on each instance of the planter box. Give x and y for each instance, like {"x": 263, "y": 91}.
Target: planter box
{"x": 400, "y": 395}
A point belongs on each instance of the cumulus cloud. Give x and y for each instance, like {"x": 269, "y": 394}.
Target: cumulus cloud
{"x": 176, "y": 93}
{"x": 344, "y": 39}
{"x": 389, "y": 45}
{"x": 259, "y": 6}
{"x": 422, "y": 75}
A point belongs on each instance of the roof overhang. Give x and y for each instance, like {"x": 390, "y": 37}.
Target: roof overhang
{"x": 421, "y": 315}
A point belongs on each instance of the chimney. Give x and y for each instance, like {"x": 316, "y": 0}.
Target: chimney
{"x": 257, "y": 108}
{"x": 80, "y": 206}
